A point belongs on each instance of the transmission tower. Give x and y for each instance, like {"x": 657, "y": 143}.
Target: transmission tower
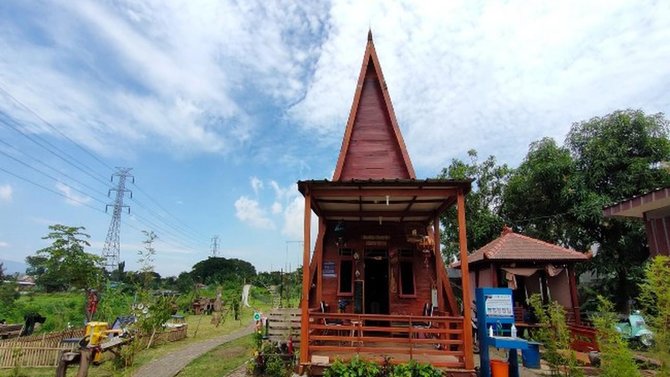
{"x": 111, "y": 252}
{"x": 215, "y": 246}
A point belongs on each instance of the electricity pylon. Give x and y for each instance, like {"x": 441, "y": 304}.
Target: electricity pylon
{"x": 215, "y": 246}
{"x": 111, "y": 252}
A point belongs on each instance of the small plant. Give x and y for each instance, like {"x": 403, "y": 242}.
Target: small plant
{"x": 555, "y": 336}
{"x": 354, "y": 368}
{"x": 17, "y": 353}
{"x": 276, "y": 367}
{"x": 414, "y": 369}
{"x": 616, "y": 358}
{"x": 655, "y": 298}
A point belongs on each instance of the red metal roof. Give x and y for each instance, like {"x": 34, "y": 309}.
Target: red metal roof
{"x": 512, "y": 246}
{"x": 372, "y": 146}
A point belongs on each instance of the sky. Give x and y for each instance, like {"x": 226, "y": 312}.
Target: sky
{"x": 220, "y": 107}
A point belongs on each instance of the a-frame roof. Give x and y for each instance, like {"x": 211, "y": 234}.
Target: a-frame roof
{"x": 372, "y": 147}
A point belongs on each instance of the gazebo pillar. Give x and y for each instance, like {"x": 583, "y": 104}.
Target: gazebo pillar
{"x": 465, "y": 283}
{"x": 304, "y": 304}
{"x": 573, "y": 294}
{"x": 438, "y": 260}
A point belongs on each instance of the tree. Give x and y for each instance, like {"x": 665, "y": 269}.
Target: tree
{"x": 146, "y": 258}
{"x": 558, "y": 193}
{"x": 482, "y": 206}
{"x": 65, "y": 264}
{"x": 8, "y": 293}
{"x": 536, "y": 200}
{"x": 615, "y": 157}
{"x": 218, "y": 270}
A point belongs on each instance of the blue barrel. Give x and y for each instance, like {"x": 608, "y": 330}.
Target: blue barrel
{"x": 531, "y": 355}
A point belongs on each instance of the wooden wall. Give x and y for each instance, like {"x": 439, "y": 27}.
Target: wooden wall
{"x": 658, "y": 236}
{"x": 357, "y": 237}
{"x": 374, "y": 151}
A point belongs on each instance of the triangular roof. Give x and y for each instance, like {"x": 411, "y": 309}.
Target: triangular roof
{"x": 372, "y": 147}
{"x": 515, "y": 247}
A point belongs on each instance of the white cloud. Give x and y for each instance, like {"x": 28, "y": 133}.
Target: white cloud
{"x": 468, "y": 74}
{"x": 6, "y": 193}
{"x": 70, "y": 196}
{"x": 276, "y": 208}
{"x": 250, "y": 212}
{"x": 4, "y": 244}
{"x": 293, "y": 219}
{"x": 256, "y": 184}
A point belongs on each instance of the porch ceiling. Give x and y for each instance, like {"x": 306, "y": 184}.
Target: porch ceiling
{"x": 390, "y": 200}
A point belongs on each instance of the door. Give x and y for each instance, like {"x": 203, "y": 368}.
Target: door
{"x": 377, "y": 285}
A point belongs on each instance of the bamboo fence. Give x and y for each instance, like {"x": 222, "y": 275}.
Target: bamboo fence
{"x": 45, "y": 350}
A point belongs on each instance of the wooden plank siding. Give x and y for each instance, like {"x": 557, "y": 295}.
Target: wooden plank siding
{"x": 373, "y": 150}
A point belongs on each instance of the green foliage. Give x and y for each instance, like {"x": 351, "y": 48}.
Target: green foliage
{"x": 146, "y": 258}
{"x": 555, "y": 336}
{"x": 414, "y": 369}
{"x": 65, "y": 264}
{"x": 616, "y": 359}
{"x": 655, "y": 298}
{"x": 215, "y": 270}
{"x": 354, "y": 368}
{"x": 557, "y": 193}
{"x": 361, "y": 368}
{"x": 483, "y": 204}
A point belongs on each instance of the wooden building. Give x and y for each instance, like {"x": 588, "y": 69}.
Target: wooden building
{"x": 375, "y": 284}
{"x": 654, "y": 209}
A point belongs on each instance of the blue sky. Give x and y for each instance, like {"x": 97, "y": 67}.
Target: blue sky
{"x": 220, "y": 107}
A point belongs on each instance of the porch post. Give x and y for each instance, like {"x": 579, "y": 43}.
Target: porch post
{"x": 438, "y": 262}
{"x": 318, "y": 250}
{"x": 304, "y": 318}
{"x": 573, "y": 295}
{"x": 465, "y": 283}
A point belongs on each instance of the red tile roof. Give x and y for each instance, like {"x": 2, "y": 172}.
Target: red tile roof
{"x": 512, "y": 246}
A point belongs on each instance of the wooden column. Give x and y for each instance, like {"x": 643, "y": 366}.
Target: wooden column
{"x": 304, "y": 319}
{"x": 573, "y": 295}
{"x": 318, "y": 250}
{"x": 439, "y": 264}
{"x": 465, "y": 283}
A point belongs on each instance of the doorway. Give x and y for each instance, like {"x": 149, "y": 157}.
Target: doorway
{"x": 376, "y": 284}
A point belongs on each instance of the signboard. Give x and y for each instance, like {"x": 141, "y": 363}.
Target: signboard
{"x": 329, "y": 270}
{"x": 499, "y": 306}
{"x": 375, "y": 240}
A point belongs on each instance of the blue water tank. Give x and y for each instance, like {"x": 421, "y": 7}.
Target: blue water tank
{"x": 531, "y": 355}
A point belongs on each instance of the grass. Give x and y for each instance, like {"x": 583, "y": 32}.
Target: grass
{"x": 205, "y": 330}
{"x": 221, "y": 360}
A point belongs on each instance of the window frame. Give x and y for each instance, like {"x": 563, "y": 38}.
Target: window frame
{"x": 402, "y": 294}
{"x": 345, "y": 259}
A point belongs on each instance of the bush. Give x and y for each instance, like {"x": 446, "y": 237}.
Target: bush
{"x": 616, "y": 359}
{"x": 555, "y": 336}
{"x": 413, "y": 369}
{"x": 655, "y": 299}
{"x": 354, "y": 368}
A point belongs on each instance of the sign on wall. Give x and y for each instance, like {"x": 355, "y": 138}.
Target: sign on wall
{"x": 329, "y": 270}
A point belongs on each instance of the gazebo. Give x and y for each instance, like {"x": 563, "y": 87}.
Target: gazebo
{"x": 528, "y": 266}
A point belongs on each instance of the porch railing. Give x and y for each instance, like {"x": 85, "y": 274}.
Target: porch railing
{"x": 435, "y": 339}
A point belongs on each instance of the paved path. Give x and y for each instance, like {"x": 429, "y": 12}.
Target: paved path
{"x": 169, "y": 365}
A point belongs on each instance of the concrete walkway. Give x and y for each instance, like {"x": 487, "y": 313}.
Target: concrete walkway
{"x": 171, "y": 364}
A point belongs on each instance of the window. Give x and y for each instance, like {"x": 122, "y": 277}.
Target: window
{"x": 407, "y": 278}
{"x": 346, "y": 277}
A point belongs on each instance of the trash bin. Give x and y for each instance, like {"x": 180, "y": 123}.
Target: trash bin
{"x": 531, "y": 355}
{"x": 499, "y": 368}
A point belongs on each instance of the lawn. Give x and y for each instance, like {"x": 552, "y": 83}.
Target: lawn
{"x": 221, "y": 360}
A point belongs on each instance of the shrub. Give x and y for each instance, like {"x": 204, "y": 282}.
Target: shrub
{"x": 616, "y": 359}
{"x": 555, "y": 336}
{"x": 655, "y": 299}
{"x": 354, "y": 368}
{"x": 414, "y": 369}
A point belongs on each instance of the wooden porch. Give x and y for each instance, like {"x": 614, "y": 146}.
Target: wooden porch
{"x": 437, "y": 340}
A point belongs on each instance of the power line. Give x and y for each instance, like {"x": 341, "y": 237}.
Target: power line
{"x": 16, "y": 100}
{"x": 42, "y": 143}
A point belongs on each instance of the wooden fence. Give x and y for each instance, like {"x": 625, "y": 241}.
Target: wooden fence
{"x": 45, "y": 350}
